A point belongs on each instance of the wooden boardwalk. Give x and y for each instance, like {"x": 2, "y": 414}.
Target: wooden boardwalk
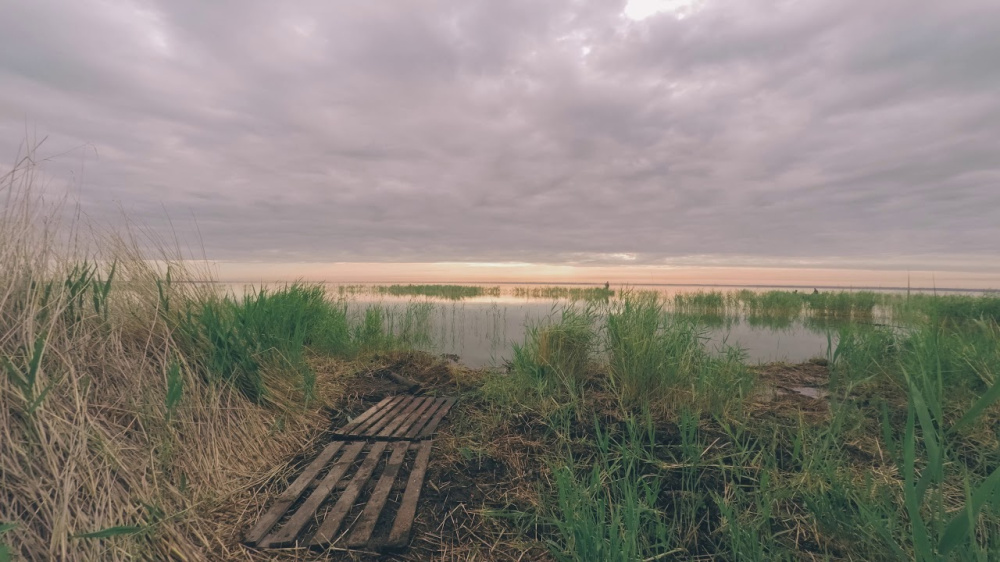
{"x": 338, "y": 500}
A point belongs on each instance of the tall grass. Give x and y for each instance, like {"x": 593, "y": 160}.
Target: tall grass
{"x": 900, "y": 462}
{"x": 702, "y": 302}
{"x": 842, "y": 304}
{"x": 239, "y": 341}
{"x": 449, "y": 292}
{"x": 125, "y": 426}
{"x": 556, "y": 355}
{"x": 949, "y": 307}
{"x": 654, "y": 356}
{"x": 647, "y": 355}
{"x": 380, "y": 328}
{"x": 566, "y": 293}
{"x": 772, "y": 306}
{"x": 607, "y": 505}
{"x": 951, "y": 482}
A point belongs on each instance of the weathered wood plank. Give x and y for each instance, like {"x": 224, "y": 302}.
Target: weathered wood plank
{"x": 292, "y": 493}
{"x": 367, "y": 414}
{"x": 400, "y": 533}
{"x": 415, "y": 419}
{"x": 361, "y": 532}
{"x": 405, "y": 419}
{"x": 286, "y": 535}
{"x": 426, "y": 417}
{"x": 428, "y": 430}
{"x": 411, "y": 386}
{"x": 384, "y": 420}
{"x": 377, "y": 416}
{"x": 327, "y": 532}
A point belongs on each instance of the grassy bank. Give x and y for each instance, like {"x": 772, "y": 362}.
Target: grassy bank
{"x": 141, "y": 413}
{"x": 146, "y": 416}
{"x": 655, "y": 448}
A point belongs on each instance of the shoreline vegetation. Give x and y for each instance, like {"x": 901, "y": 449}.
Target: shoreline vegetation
{"x": 144, "y": 417}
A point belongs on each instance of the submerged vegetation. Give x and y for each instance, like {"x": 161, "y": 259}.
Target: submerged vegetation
{"x": 838, "y": 305}
{"x": 566, "y": 293}
{"x": 461, "y": 292}
{"x": 449, "y": 292}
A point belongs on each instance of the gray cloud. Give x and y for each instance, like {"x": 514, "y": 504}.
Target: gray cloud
{"x": 561, "y": 131}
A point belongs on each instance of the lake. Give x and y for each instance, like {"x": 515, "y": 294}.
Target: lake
{"x": 482, "y": 330}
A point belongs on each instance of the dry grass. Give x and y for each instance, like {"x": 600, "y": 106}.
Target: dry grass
{"x": 98, "y": 452}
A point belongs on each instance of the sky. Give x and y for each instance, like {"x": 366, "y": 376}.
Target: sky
{"x": 524, "y": 139}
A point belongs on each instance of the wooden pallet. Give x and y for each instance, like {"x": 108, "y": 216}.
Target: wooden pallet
{"x": 398, "y": 417}
{"x": 321, "y": 507}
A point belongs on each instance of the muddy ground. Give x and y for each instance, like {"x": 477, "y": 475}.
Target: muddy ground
{"x": 486, "y": 472}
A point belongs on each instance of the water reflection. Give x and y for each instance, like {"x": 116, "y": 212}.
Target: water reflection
{"x": 481, "y": 331}
{"x": 482, "y": 328}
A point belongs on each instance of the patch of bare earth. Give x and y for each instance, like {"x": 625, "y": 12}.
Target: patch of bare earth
{"x": 472, "y": 480}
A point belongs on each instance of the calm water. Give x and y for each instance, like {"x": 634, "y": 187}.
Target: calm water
{"x": 482, "y": 330}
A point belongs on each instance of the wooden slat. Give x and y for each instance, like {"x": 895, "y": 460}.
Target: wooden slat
{"x": 292, "y": 493}
{"x": 416, "y": 418}
{"x": 327, "y": 532}
{"x": 376, "y": 416}
{"x": 367, "y": 414}
{"x": 290, "y": 530}
{"x": 388, "y": 417}
{"x": 400, "y": 533}
{"x": 422, "y": 421}
{"x": 428, "y": 430}
{"x": 363, "y": 527}
{"x": 406, "y": 418}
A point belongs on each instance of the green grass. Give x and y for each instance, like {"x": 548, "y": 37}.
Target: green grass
{"x": 711, "y": 302}
{"x": 605, "y": 506}
{"x": 772, "y": 304}
{"x": 653, "y": 356}
{"x": 670, "y": 456}
{"x": 239, "y": 340}
{"x": 556, "y": 355}
{"x": 134, "y": 407}
{"x": 565, "y": 293}
{"x": 270, "y": 332}
{"x": 449, "y": 292}
{"x": 958, "y": 308}
{"x": 383, "y": 328}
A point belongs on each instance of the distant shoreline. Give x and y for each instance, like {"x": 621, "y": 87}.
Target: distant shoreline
{"x": 584, "y": 284}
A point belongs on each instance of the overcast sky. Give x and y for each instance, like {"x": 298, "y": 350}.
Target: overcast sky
{"x": 733, "y": 132}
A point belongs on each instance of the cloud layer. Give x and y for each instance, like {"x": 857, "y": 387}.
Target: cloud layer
{"x": 761, "y": 131}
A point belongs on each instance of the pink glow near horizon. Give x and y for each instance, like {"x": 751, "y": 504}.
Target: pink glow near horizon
{"x": 636, "y": 275}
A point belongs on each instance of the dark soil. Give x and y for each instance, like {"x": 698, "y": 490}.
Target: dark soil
{"x": 484, "y": 478}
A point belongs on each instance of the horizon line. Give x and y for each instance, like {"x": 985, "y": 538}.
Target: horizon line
{"x": 580, "y": 283}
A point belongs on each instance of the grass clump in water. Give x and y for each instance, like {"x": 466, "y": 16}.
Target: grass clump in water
{"x": 565, "y": 293}
{"x": 842, "y": 304}
{"x": 556, "y": 357}
{"x": 450, "y": 292}
{"x": 656, "y": 357}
